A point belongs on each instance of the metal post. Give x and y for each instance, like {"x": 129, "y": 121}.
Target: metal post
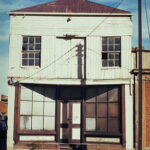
{"x": 140, "y": 75}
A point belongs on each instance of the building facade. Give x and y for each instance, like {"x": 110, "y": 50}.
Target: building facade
{"x": 145, "y": 96}
{"x": 69, "y": 76}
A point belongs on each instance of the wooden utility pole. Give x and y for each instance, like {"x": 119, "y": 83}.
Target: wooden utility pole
{"x": 140, "y": 75}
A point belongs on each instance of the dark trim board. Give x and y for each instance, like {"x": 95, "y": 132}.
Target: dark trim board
{"x": 56, "y": 133}
{"x": 123, "y": 115}
{"x": 16, "y": 112}
{"x": 71, "y": 15}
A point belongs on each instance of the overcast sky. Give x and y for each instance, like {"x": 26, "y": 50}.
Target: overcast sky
{"x": 8, "y": 5}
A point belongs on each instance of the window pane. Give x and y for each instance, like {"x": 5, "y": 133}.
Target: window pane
{"x": 50, "y": 94}
{"x": 31, "y": 46}
{"x": 24, "y": 62}
{"x": 24, "y": 55}
{"x": 111, "y": 48}
{"x": 38, "y": 94}
{"x": 117, "y": 56}
{"x": 25, "y": 47}
{"x": 25, "y": 39}
{"x": 104, "y": 48}
{"x": 90, "y": 109}
{"x": 25, "y": 122}
{"x": 102, "y": 124}
{"x": 113, "y": 109}
{"x": 90, "y": 124}
{"x": 37, "y": 62}
{"x": 117, "y": 63}
{"x": 31, "y": 39}
{"x": 90, "y": 94}
{"x": 104, "y": 40}
{"x": 104, "y": 63}
{"x": 102, "y": 110}
{"x": 31, "y": 55}
{"x": 31, "y": 62}
{"x": 76, "y": 133}
{"x": 49, "y": 123}
{"x": 37, "y": 108}
{"x": 37, "y": 55}
{"x": 111, "y": 55}
{"x": 26, "y": 93}
{"x": 117, "y": 47}
{"x": 117, "y": 40}
{"x": 37, "y": 46}
{"x": 111, "y": 63}
{"x": 37, "y": 122}
{"x": 102, "y": 95}
{"x": 113, "y": 94}
{"x": 104, "y": 56}
{"x": 76, "y": 113}
{"x": 38, "y": 40}
{"x": 111, "y": 40}
{"x": 25, "y": 107}
{"x": 49, "y": 109}
{"x": 113, "y": 125}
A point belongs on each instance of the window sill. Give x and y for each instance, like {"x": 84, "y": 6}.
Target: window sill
{"x": 106, "y": 68}
{"x": 29, "y": 67}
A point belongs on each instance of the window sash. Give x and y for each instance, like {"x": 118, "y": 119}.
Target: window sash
{"x": 31, "y": 51}
{"x": 36, "y": 110}
{"x": 106, "y": 112}
{"x": 111, "y": 52}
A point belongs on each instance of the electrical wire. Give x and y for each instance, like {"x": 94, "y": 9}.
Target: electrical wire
{"x": 73, "y": 47}
{"x": 147, "y": 20}
{"x": 99, "y": 54}
{"x": 47, "y": 65}
{"x": 106, "y": 17}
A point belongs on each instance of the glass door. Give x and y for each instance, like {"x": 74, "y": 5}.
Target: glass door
{"x": 70, "y": 121}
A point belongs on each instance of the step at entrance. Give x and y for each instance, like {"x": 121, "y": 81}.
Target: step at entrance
{"x": 65, "y": 147}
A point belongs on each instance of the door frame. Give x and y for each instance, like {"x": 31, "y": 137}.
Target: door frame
{"x": 70, "y": 124}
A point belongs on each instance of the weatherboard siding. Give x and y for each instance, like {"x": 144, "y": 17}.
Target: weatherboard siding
{"x": 81, "y": 26}
{"x": 50, "y": 27}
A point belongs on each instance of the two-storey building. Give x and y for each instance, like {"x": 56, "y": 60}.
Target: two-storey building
{"x": 70, "y": 81}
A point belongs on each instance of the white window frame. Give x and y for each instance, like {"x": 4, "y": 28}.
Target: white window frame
{"x": 111, "y": 51}
{"x": 31, "y": 51}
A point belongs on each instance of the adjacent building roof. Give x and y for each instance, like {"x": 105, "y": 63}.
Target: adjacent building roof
{"x": 71, "y": 6}
{"x": 3, "y": 107}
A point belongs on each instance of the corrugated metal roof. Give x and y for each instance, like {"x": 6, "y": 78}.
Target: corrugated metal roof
{"x": 71, "y": 6}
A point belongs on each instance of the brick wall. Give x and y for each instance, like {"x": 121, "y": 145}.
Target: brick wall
{"x": 147, "y": 112}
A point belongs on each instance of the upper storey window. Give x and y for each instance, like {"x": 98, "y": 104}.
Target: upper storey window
{"x": 111, "y": 49}
{"x": 31, "y": 49}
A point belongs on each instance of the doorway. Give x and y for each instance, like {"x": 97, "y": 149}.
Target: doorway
{"x": 70, "y": 121}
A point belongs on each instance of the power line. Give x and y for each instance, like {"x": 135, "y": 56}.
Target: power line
{"x": 147, "y": 20}
{"x": 99, "y": 54}
{"x": 106, "y": 17}
{"x": 74, "y": 46}
{"x": 48, "y": 65}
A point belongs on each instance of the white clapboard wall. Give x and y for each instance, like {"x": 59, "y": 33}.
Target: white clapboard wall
{"x": 53, "y": 48}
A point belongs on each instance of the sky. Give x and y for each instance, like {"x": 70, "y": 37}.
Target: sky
{"x": 8, "y": 5}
